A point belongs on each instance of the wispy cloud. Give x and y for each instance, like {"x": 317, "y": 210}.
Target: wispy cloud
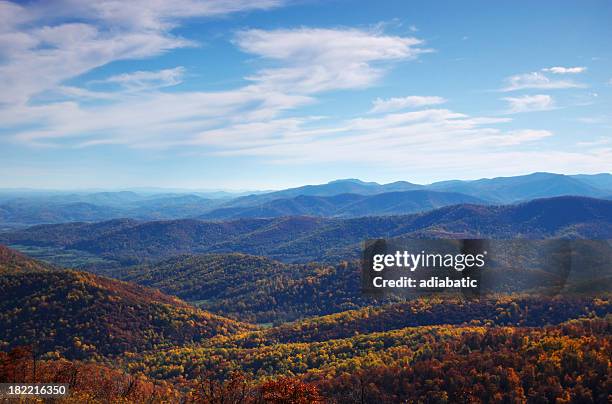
{"x": 41, "y": 54}
{"x": 143, "y": 14}
{"x": 518, "y": 137}
{"x": 536, "y": 80}
{"x": 435, "y": 140}
{"x": 145, "y": 80}
{"x": 594, "y": 120}
{"x": 40, "y": 50}
{"x": 529, "y": 103}
{"x": 397, "y": 103}
{"x": 597, "y": 142}
{"x": 313, "y": 60}
{"x": 306, "y": 62}
{"x": 390, "y": 139}
{"x": 565, "y": 70}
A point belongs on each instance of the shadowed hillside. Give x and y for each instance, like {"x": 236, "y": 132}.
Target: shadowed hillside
{"x": 340, "y": 198}
{"x": 12, "y": 261}
{"x": 79, "y": 315}
{"x": 303, "y": 239}
{"x": 524, "y": 187}
{"x": 254, "y": 289}
{"x": 346, "y": 205}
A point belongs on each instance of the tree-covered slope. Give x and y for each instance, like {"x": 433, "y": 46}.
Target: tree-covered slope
{"x": 78, "y": 314}
{"x": 346, "y": 205}
{"x": 303, "y": 239}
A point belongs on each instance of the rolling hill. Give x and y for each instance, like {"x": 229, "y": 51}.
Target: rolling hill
{"x": 213, "y": 276}
{"x": 493, "y": 190}
{"x": 337, "y": 187}
{"x": 507, "y": 310}
{"x": 80, "y": 315}
{"x": 304, "y": 239}
{"x": 601, "y": 181}
{"x": 28, "y": 210}
{"x": 340, "y": 198}
{"x": 260, "y": 290}
{"x": 253, "y": 289}
{"x": 525, "y": 187}
{"x": 346, "y": 205}
{"x": 12, "y": 261}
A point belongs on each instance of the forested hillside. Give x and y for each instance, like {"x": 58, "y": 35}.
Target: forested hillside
{"x": 137, "y": 336}
{"x": 568, "y": 361}
{"x": 78, "y": 315}
{"x": 254, "y": 289}
{"x": 346, "y": 205}
{"x": 12, "y": 262}
{"x": 304, "y": 239}
{"x": 340, "y": 198}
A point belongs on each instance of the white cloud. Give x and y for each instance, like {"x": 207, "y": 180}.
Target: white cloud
{"x": 529, "y": 103}
{"x": 144, "y": 80}
{"x": 593, "y": 120}
{"x": 536, "y": 80}
{"x": 597, "y": 142}
{"x": 435, "y": 141}
{"x": 565, "y": 70}
{"x": 391, "y": 139}
{"x": 304, "y": 62}
{"x": 523, "y": 136}
{"x": 397, "y": 103}
{"x": 314, "y": 60}
{"x": 39, "y": 50}
{"x": 292, "y": 67}
{"x": 148, "y": 119}
{"x": 59, "y": 56}
{"x": 144, "y": 14}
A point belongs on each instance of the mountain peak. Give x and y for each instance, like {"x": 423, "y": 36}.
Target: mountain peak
{"x": 352, "y": 180}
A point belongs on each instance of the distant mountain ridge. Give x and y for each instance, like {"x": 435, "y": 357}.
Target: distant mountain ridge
{"x": 346, "y": 205}
{"x": 525, "y": 187}
{"x": 499, "y": 189}
{"x": 340, "y": 198}
{"x": 101, "y": 206}
{"x": 302, "y": 239}
{"x": 337, "y": 187}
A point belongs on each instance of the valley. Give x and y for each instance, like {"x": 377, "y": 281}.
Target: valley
{"x": 272, "y": 306}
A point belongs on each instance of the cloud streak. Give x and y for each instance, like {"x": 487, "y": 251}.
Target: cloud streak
{"x": 398, "y": 103}
{"x": 139, "y": 114}
{"x": 529, "y": 103}
{"x": 313, "y": 60}
{"x": 386, "y": 140}
{"x": 536, "y": 80}
{"x": 146, "y": 80}
{"x": 565, "y": 70}
{"x": 40, "y": 50}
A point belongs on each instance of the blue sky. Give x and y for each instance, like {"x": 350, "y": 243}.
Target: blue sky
{"x": 264, "y": 94}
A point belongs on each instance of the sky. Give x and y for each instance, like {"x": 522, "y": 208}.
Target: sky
{"x": 268, "y": 94}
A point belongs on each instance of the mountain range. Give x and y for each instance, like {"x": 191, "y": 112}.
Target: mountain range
{"x": 114, "y": 341}
{"x": 341, "y": 198}
{"x": 495, "y": 190}
{"x": 304, "y": 239}
{"x": 346, "y": 205}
